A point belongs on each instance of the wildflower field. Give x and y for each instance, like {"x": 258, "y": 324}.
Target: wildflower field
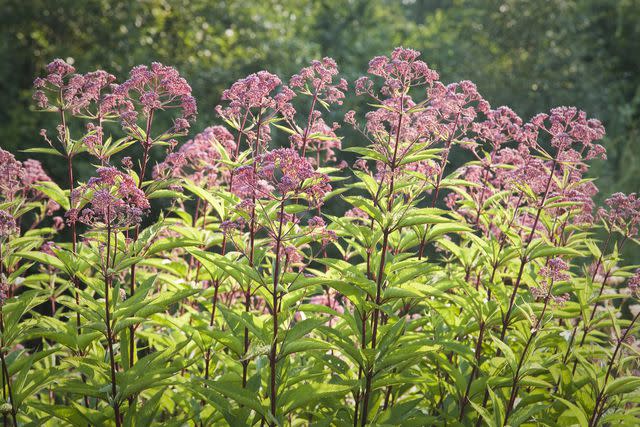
{"x": 213, "y": 287}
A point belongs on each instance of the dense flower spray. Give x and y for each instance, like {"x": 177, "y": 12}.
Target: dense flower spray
{"x": 278, "y": 175}
{"x": 114, "y": 200}
{"x": 149, "y": 90}
{"x": 464, "y": 273}
{"x": 76, "y": 93}
{"x": 199, "y": 159}
{"x": 8, "y": 224}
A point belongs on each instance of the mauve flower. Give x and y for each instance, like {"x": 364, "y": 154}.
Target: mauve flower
{"x": 316, "y": 222}
{"x": 280, "y": 174}
{"x": 400, "y": 71}
{"x": 8, "y": 224}
{"x": 317, "y": 79}
{"x": 199, "y": 158}
{"x": 400, "y": 124}
{"x": 72, "y": 92}
{"x": 33, "y": 173}
{"x": 501, "y": 126}
{"x": 60, "y": 67}
{"x": 634, "y": 282}
{"x": 113, "y": 199}
{"x": 556, "y": 270}
{"x": 253, "y": 92}
{"x": 158, "y": 87}
{"x": 11, "y": 173}
{"x": 623, "y": 213}
{"x": 350, "y": 117}
{"x": 292, "y": 255}
{"x": 71, "y": 216}
{"x": 52, "y": 206}
{"x": 127, "y": 163}
{"x": 361, "y": 164}
{"x": 570, "y": 131}
{"x": 229, "y": 226}
{"x": 93, "y": 140}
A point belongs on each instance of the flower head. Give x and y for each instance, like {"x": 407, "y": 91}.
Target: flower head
{"x": 571, "y": 133}
{"x": 113, "y": 199}
{"x": 634, "y": 282}
{"x": 11, "y": 173}
{"x": 199, "y": 158}
{"x": 400, "y": 71}
{"x": 32, "y": 174}
{"x": 556, "y": 270}
{"x": 623, "y": 213}
{"x": 149, "y": 89}
{"x": 8, "y": 224}
{"x": 255, "y": 91}
{"x": 317, "y": 79}
{"x": 280, "y": 174}
{"x": 72, "y": 92}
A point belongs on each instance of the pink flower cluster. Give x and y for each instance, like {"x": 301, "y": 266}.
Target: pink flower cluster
{"x": 72, "y": 92}
{"x": 280, "y": 174}
{"x": 8, "y": 224}
{"x": 634, "y": 282}
{"x": 399, "y": 123}
{"x": 154, "y": 88}
{"x": 556, "y": 270}
{"x": 317, "y": 80}
{"x": 511, "y": 155}
{"x": 113, "y": 198}
{"x": 400, "y": 71}
{"x": 254, "y": 92}
{"x": 10, "y": 174}
{"x": 623, "y": 213}
{"x": 19, "y": 177}
{"x": 571, "y": 132}
{"x": 198, "y": 159}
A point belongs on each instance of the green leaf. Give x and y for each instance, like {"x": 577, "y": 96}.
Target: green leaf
{"x": 574, "y": 412}
{"x": 310, "y": 393}
{"x": 43, "y": 150}
{"x": 622, "y": 385}
{"x": 42, "y": 258}
{"x": 54, "y": 192}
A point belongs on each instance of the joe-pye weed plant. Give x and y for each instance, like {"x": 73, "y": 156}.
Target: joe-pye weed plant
{"x": 215, "y": 287}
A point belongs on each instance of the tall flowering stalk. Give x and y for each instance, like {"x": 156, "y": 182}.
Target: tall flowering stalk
{"x": 601, "y": 397}
{"x": 397, "y": 129}
{"x": 8, "y": 227}
{"x": 553, "y": 272}
{"x": 64, "y": 91}
{"x": 277, "y": 178}
{"x": 622, "y": 217}
{"x": 148, "y": 92}
{"x": 252, "y": 104}
{"x": 113, "y": 203}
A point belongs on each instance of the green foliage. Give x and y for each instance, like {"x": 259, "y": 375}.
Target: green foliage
{"x": 450, "y": 292}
